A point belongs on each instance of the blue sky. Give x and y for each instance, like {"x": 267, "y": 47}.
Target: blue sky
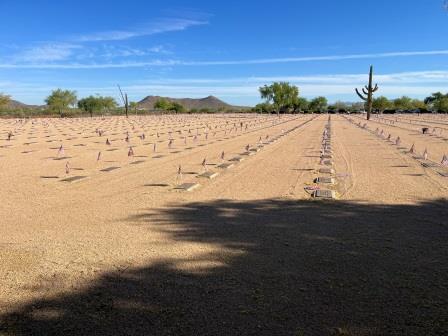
{"x": 222, "y": 48}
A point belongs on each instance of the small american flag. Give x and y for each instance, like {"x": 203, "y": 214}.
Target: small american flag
{"x": 130, "y": 152}
{"x": 61, "y": 151}
{"x": 67, "y": 168}
{"x": 412, "y": 149}
{"x": 425, "y": 154}
{"x": 445, "y": 160}
{"x": 107, "y": 142}
{"x": 98, "y": 157}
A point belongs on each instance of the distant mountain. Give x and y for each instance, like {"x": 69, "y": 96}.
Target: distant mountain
{"x": 210, "y": 102}
{"x": 14, "y": 104}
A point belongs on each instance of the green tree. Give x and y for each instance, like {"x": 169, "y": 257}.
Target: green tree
{"x": 60, "y": 100}
{"x": 108, "y": 103}
{"x": 282, "y": 95}
{"x": 441, "y": 105}
{"x": 4, "y": 99}
{"x": 300, "y": 104}
{"x": 319, "y": 104}
{"x": 176, "y": 107}
{"x": 434, "y": 100}
{"x": 381, "y": 103}
{"x": 90, "y": 104}
{"x": 263, "y": 108}
{"x": 403, "y": 103}
{"x": 162, "y": 104}
{"x": 419, "y": 104}
{"x": 434, "y": 97}
{"x": 133, "y": 105}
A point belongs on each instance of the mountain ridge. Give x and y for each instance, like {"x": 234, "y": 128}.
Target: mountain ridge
{"x": 210, "y": 102}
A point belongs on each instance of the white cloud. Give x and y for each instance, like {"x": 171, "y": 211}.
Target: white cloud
{"x": 47, "y": 52}
{"x": 171, "y": 62}
{"x": 157, "y": 26}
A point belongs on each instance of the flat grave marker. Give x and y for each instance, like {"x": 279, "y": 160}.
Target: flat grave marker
{"x": 326, "y": 171}
{"x": 187, "y": 186}
{"x": 226, "y": 165}
{"x": 325, "y": 179}
{"x": 209, "y": 174}
{"x": 429, "y": 164}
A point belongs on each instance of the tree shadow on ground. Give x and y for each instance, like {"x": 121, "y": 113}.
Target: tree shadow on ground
{"x": 299, "y": 268}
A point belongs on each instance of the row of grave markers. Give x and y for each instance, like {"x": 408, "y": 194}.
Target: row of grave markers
{"x": 426, "y": 129}
{"x": 249, "y": 150}
{"x": 440, "y": 168}
{"x": 326, "y": 170}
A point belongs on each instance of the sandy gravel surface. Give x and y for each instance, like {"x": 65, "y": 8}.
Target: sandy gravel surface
{"x": 247, "y": 253}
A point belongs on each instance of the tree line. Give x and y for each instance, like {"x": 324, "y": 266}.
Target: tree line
{"x": 284, "y": 97}
{"x": 66, "y": 103}
{"x": 279, "y": 97}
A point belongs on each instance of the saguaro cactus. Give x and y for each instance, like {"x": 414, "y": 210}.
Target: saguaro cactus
{"x": 368, "y": 91}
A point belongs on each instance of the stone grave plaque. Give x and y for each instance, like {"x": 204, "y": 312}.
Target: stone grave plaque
{"x": 137, "y": 162}
{"x": 325, "y": 179}
{"x": 226, "y": 165}
{"x": 237, "y": 159}
{"x": 429, "y": 164}
{"x": 326, "y": 171}
{"x": 209, "y": 175}
{"x": 324, "y": 193}
{"x": 187, "y": 186}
